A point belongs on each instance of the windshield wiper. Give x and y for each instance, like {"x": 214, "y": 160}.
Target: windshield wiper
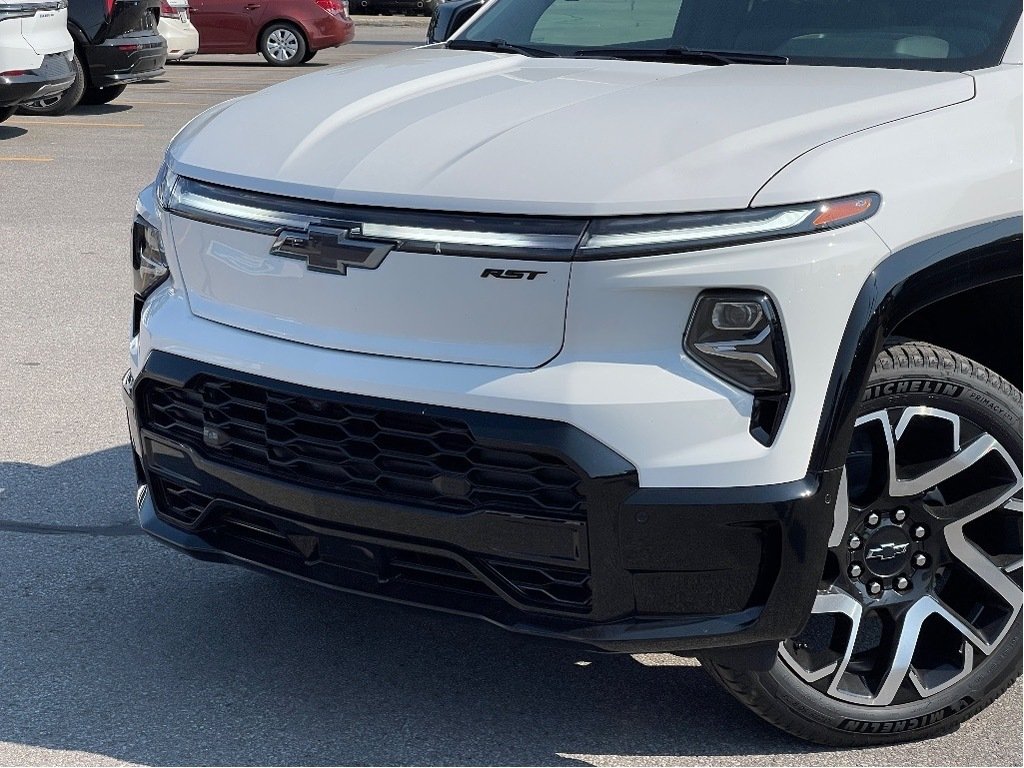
{"x": 497, "y": 46}
{"x": 681, "y": 55}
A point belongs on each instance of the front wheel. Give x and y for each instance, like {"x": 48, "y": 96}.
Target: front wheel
{"x": 283, "y": 45}
{"x": 7, "y": 112}
{"x": 916, "y": 626}
{"x": 308, "y": 57}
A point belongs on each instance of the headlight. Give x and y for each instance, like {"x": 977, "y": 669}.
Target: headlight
{"x": 649, "y": 235}
{"x": 149, "y": 262}
{"x": 737, "y": 336}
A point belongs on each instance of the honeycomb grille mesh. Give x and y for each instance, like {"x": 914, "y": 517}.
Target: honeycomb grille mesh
{"x": 357, "y": 449}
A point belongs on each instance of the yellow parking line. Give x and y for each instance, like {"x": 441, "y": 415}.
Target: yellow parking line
{"x": 25, "y": 159}
{"x": 81, "y": 123}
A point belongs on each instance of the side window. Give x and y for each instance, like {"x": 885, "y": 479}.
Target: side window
{"x": 606, "y": 22}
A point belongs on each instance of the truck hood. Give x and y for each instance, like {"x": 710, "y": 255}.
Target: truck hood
{"x": 432, "y": 128}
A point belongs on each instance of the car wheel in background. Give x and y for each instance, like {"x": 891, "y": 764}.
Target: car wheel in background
{"x": 283, "y": 45}
{"x": 6, "y": 112}
{"x": 61, "y": 103}
{"x": 102, "y": 95}
{"x": 917, "y": 623}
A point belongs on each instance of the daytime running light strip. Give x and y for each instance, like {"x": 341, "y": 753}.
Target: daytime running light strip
{"x": 777, "y": 223}
{"x": 465, "y": 237}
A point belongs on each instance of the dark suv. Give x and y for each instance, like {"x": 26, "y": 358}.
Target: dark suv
{"x": 116, "y": 43}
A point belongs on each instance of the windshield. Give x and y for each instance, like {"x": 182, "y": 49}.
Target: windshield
{"x": 948, "y": 35}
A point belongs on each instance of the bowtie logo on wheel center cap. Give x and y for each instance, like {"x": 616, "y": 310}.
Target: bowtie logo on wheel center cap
{"x": 887, "y": 551}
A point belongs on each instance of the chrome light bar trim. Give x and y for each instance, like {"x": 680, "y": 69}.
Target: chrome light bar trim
{"x": 508, "y": 237}
{"x": 469, "y": 237}
{"x": 527, "y": 238}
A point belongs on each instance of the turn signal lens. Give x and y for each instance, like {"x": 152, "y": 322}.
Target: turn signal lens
{"x": 844, "y": 211}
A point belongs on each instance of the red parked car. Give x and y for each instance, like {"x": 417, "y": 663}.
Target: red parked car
{"x": 286, "y": 32}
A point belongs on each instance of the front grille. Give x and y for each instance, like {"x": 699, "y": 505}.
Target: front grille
{"x": 182, "y": 504}
{"x": 328, "y": 555}
{"x": 351, "y": 446}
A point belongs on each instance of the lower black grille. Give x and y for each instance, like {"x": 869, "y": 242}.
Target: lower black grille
{"x": 544, "y": 585}
{"x": 290, "y": 545}
{"x": 355, "y": 447}
{"x": 183, "y": 505}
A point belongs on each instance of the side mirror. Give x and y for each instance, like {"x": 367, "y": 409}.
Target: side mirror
{"x": 449, "y": 16}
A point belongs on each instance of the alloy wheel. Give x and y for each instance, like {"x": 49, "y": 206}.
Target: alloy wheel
{"x": 923, "y": 578}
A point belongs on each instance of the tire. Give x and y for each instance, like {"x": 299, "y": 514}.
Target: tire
{"x": 283, "y": 45}
{"x": 63, "y": 103}
{"x": 7, "y": 112}
{"x": 102, "y": 95}
{"x": 948, "y": 522}
{"x": 309, "y": 56}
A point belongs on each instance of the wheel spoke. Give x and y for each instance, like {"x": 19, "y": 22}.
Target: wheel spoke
{"x": 963, "y": 459}
{"x": 841, "y": 513}
{"x": 979, "y": 564}
{"x": 834, "y": 601}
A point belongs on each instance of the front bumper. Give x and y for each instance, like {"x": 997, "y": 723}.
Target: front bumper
{"x": 127, "y": 59}
{"x": 596, "y": 560}
{"x": 54, "y": 76}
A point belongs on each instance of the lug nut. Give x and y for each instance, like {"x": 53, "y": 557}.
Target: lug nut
{"x": 855, "y": 541}
{"x": 902, "y": 582}
{"x": 874, "y": 588}
{"x": 855, "y": 571}
{"x": 920, "y": 559}
{"x": 874, "y": 519}
{"x": 899, "y": 515}
{"x": 919, "y": 532}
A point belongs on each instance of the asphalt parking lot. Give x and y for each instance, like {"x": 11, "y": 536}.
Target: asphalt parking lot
{"x": 115, "y": 650}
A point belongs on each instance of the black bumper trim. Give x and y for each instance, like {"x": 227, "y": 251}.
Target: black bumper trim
{"x": 55, "y": 76}
{"x": 126, "y": 59}
{"x": 665, "y": 570}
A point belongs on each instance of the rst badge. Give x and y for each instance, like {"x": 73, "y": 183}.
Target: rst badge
{"x": 330, "y": 250}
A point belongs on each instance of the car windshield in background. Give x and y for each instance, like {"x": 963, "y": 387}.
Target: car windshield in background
{"x": 948, "y": 35}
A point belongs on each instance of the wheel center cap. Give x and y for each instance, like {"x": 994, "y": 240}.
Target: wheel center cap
{"x": 887, "y": 551}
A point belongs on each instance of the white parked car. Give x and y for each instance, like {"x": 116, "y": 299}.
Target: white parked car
{"x": 177, "y": 29}
{"x": 694, "y": 327}
{"x": 35, "y": 52}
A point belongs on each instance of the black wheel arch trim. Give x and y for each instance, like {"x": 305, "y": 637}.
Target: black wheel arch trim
{"x": 907, "y": 281}
{"x": 77, "y": 34}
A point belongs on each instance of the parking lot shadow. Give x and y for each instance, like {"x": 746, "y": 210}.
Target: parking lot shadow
{"x": 11, "y": 132}
{"x": 112, "y": 645}
{"x": 260, "y": 64}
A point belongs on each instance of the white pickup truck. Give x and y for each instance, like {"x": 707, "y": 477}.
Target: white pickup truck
{"x": 687, "y": 326}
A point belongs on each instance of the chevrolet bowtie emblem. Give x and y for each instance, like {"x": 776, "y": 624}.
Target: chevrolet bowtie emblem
{"x": 331, "y": 250}
{"x": 886, "y": 551}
